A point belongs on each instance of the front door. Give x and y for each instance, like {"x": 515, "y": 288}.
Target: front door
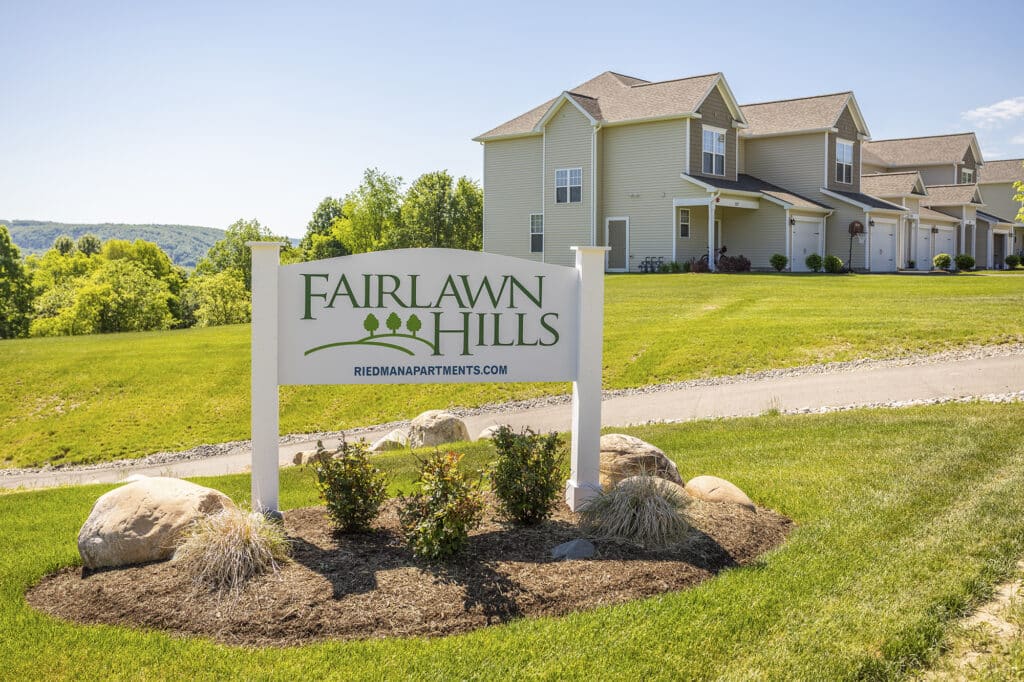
{"x": 923, "y": 256}
{"x": 883, "y": 247}
{"x": 806, "y": 238}
{"x": 617, "y": 238}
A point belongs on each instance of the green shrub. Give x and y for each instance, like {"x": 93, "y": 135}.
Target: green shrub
{"x": 779, "y": 262}
{"x": 223, "y": 551}
{"x": 1012, "y": 261}
{"x": 675, "y": 267}
{"x": 350, "y": 485}
{"x": 833, "y": 264}
{"x": 814, "y": 262}
{"x": 964, "y": 261}
{"x": 687, "y": 266}
{"x": 527, "y": 476}
{"x": 641, "y": 510}
{"x": 738, "y": 263}
{"x": 437, "y": 518}
{"x": 942, "y": 261}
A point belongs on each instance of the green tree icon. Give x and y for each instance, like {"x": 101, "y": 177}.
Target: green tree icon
{"x": 371, "y": 323}
{"x": 393, "y": 322}
{"x": 414, "y": 324}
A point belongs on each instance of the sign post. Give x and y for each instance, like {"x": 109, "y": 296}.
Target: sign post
{"x": 426, "y": 316}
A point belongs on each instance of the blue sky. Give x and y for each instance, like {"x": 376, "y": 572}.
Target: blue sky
{"x": 202, "y": 113}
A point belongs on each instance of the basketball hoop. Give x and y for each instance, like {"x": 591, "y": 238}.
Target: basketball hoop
{"x": 860, "y": 238}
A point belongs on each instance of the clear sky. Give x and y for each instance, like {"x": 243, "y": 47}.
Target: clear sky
{"x": 206, "y": 112}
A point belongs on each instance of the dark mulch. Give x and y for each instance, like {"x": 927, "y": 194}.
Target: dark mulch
{"x": 364, "y": 586}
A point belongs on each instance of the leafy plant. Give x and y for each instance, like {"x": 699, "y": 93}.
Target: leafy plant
{"x": 437, "y": 518}
{"x": 640, "y": 510}
{"x": 351, "y": 486}
{"x": 778, "y": 261}
{"x": 733, "y": 264}
{"x": 814, "y": 262}
{"x": 527, "y": 476}
{"x": 942, "y": 261}
{"x": 1012, "y": 261}
{"x": 687, "y": 266}
{"x": 964, "y": 261}
{"x": 699, "y": 265}
{"x": 833, "y": 264}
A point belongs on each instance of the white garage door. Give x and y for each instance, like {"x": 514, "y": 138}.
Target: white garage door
{"x": 924, "y": 248}
{"x": 945, "y": 241}
{"x": 806, "y": 240}
{"x": 882, "y": 244}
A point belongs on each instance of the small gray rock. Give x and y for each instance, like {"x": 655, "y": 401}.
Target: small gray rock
{"x": 574, "y": 549}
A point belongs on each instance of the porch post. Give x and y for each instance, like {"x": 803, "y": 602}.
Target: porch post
{"x": 711, "y": 233}
{"x": 990, "y": 243}
{"x": 963, "y": 237}
{"x": 789, "y": 241}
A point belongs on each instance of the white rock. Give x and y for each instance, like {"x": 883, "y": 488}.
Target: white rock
{"x": 141, "y": 521}
{"x": 623, "y": 456}
{"x": 436, "y": 427}
{"x": 488, "y": 433}
{"x": 395, "y": 440}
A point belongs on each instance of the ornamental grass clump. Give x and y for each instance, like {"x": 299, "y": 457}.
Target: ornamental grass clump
{"x": 225, "y": 550}
{"x": 527, "y": 477}
{"x": 437, "y": 518}
{"x": 640, "y": 510}
{"x": 352, "y": 488}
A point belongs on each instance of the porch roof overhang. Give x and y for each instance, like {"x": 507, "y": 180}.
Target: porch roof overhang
{"x": 746, "y": 192}
{"x": 865, "y": 202}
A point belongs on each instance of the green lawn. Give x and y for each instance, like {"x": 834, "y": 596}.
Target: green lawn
{"x": 905, "y": 518}
{"x": 85, "y": 399}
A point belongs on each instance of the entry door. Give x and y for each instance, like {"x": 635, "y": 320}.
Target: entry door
{"x": 998, "y": 250}
{"x": 883, "y": 247}
{"x": 923, "y": 260}
{"x": 945, "y": 241}
{"x": 617, "y": 237}
{"x": 806, "y": 238}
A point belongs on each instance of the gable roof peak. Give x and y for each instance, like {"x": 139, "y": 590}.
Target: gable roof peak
{"x": 679, "y": 80}
{"x": 795, "y": 99}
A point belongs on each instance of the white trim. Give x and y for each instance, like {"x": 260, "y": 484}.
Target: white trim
{"x": 608, "y": 253}
{"x": 858, "y": 117}
{"x": 677, "y": 202}
{"x": 543, "y": 177}
{"x": 867, "y": 242}
{"x": 789, "y": 241}
{"x": 825, "y": 161}
{"x": 568, "y": 184}
{"x": 809, "y": 131}
{"x": 593, "y": 190}
{"x": 689, "y": 142}
{"x": 852, "y": 145}
{"x": 711, "y": 234}
{"x": 714, "y": 155}
{"x": 729, "y": 97}
{"x": 679, "y": 223}
{"x": 543, "y": 241}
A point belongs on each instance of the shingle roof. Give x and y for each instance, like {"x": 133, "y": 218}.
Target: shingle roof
{"x": 794, "y": 115}
{"x": 988, "y": 217}
{"x": 1003, "y": 170}
{"x": 926, "y": 213}
{"x": 891, "y": 184}
{"x": 950, "y": 195}
{"x": 914, "y": 151}
{"x": 614, "y": 98}
{"x": 868, "y": 200}
{"x": 748, "y": 183}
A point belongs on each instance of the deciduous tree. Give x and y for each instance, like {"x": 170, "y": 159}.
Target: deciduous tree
{"x": 89, "y": 244}
{"x": 231, "y": 253}
{"x": 15, "y": 289}
{"x": 372, "y": 214}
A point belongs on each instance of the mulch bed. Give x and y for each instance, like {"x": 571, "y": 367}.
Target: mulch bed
{"x": 367, "y": 586}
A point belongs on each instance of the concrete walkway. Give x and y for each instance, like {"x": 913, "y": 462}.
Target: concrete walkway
{"x": 872, "y": 385}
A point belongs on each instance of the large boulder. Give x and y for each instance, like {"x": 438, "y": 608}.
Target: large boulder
{"x": 623, "y": 456}
{"x": 714, "y": 489}
{"x": 488, "y": 433}
{"x": 436, "y": 427}
{"x": 663, "y": 485}
{"x": 142, "y": 521}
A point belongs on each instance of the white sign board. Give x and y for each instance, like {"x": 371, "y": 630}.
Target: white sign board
{"x": 426, "y": 316}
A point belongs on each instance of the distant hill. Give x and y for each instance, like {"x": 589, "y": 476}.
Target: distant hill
{"x": 185, "y": 244}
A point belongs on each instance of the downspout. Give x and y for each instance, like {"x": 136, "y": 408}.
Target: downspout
{"x": 594, "y": 191}
{"x": 789, "y": 241}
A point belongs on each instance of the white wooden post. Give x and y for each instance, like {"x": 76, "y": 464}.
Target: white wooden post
{"x": 585, "y": 457}
{"x": 265, "y": 435}
{"x": 990, "y": 245}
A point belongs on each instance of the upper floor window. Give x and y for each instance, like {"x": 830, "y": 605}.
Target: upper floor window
{"x": 714, "y": 151}
{"x": 966, "y": 176}
{"x": 568, "y": 185}
{"x": 844, "y": 161}
{"x": 684, "y": 223}
{"x": 537, "y": 233}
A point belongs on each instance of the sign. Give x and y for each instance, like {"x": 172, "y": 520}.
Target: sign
{"x": 426, "y": 316}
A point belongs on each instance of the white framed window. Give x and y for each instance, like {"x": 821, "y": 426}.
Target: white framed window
{"x": 966, "y": 176}
{"x": 568, "y": 185}
{"x": 536, "y": 233}
{"x": 844, "y": 162}
{"x": 714, "y": 151}
{"x": 684, "y": 223}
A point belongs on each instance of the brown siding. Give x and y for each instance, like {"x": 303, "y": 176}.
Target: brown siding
{"x": 715, "y": 113}
{"x": 969, "y": 160}
{"x": 847, "y": 131}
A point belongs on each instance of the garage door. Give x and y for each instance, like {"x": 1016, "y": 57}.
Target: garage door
{"x": 923, "y": 245}
{"x": 883, "y": 247}
{"x": 945, "y": 241}
{"x": 806, "y": 240}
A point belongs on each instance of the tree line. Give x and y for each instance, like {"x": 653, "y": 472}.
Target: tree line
{"x": 89, "y": 286}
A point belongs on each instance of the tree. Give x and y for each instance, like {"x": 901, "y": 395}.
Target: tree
{"x": 437, "y": 212}
{"x": 414, "y": 324}
{"x": 231, "y": 253}
{"x": 1019, "y": 198}
{"x": 371, "y": 323}
{"x": 394, "y": 322}
{"x": 324, "y": 246}
{"x": 89, "y": 244}
{"x": 328, "y": 211}
{"x": 15, "y": 289}
{"x": 372, "y": 214}
{"x": 64, "y": 245}
{"x": 219, "y": 299}
{"x": 469, "y": 215}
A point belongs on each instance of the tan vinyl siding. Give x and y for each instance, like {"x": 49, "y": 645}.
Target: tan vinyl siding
{"x": 697, "y": 244}
{"x": 512, "y": 191}
{"x": 837, "y": 234}
{"x": 847, "y": 131}
{"x": 938, "y": 175}
{"x": 795, "y": 162}
{"x": 567, "y": 144}
{"x": 640, "y": 176}
{"x": 715, "y": 113}
{"x": 754, "y": 233}
{"x": 998, "y": 198}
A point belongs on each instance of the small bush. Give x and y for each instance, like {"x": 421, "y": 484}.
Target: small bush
{"x": 699, "y": 265}
{"x": 779, "y": 262}
{"x": 224, "y": 550}
{"x": 942, "y": 261}
{"x": 527, "y": 476}
{"x": 1012, "y": 261}
{"x": 814, "y": 262}
{"x": 437, "y": 518}
{"x": 641, "y": 510}
{"x": 350, "y": 485}
{"x": 674, "y": 267}
{"x": 833, "y": 264}
{"x": 964, "y": 261}
{"x": 687, "y": 266}
{"x": 733, "y": 264}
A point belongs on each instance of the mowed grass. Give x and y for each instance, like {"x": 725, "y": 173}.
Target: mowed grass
{"x": 86, "y": 399}
{"x": 906, "y": 519}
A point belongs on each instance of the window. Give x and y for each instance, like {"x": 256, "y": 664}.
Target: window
{"x": 537, "y": 233}
{"x": 714, "y": 151}
{"x": 966, "y": 176}
{"x": 568, "y": 185}
{"x": 844, "y": 162}
{"x": 684, "y": 223}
